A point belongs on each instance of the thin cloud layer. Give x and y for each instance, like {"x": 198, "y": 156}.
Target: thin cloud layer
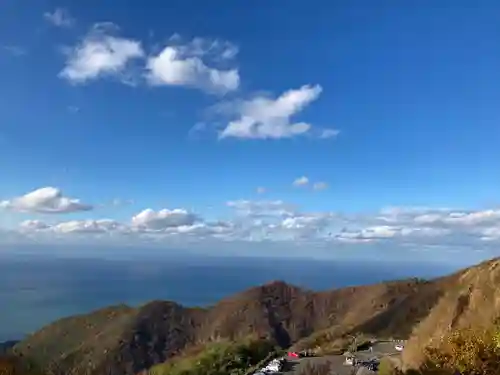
{"x": 266, "y": 118}
{"x": 47, "y": 200}
{"x": 101, "y": 54}
{"x": 186, "y": 65}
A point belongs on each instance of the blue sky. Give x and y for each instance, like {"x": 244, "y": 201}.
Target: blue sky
{"x": 112, "y": 110}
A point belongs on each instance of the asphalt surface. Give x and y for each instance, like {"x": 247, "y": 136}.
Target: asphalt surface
{"x": 336, "y": 362}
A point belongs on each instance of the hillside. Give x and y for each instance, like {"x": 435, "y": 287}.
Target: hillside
{"x": 472, "y": 300}
{"x": 123, "y": 340}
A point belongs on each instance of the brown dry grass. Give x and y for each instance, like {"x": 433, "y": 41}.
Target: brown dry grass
{"x": 471, "y": 299}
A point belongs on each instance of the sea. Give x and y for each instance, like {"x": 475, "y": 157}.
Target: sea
{"x": 35, "y": 291}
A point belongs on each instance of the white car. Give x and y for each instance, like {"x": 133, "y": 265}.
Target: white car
{"x": 274, "y": 366}
{"x": 399, "y": 348}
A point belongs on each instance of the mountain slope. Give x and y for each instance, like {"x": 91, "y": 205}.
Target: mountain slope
{"x": 471, "y": 300}
{"x": 122, "y": 340}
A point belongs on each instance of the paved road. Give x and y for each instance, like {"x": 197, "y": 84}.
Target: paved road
{"x": 336, "y": 362}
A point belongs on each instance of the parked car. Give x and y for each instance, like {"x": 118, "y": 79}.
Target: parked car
{"x": 350, "y": 361}
{"x": 306, "y": 353}
{"x": 399, "y": 348}
{"x": 276, "y": 365}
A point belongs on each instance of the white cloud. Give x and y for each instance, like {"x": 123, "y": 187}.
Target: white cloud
{"x": 460, "y": 218}
{"x": 263, "y": 117}
{"x": 45, "y": 200}
{"x": 60, "y": 17}
{"x": 301, "y": 181}
{"x": 88, "y": 226}
{"x": 163, "y": 219}
{"x": 101, "y": 54}
{"x": 187, "y": 65}
{"x": 33, "y": 225}
{"x": 491, "y": 233}
{"x": 320, "y": 186}
{"x": 261, "y": 190}
{"x": 275, "y": 221}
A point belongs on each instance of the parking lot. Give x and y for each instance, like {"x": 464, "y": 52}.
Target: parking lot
{"x": 337, "y": 362}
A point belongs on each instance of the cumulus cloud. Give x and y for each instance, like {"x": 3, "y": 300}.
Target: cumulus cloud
{"x": 60, "y": 17}
{"x": 101, "y": 54}
{"x": 163, "y": 219}
{"x": 263, "y": 117}
{"x": 194, "y": 65}
{"x": 301, "y": 181}
{"x": 47, "y": 200}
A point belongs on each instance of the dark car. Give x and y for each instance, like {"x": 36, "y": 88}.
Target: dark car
{"x": 370, "y": 365}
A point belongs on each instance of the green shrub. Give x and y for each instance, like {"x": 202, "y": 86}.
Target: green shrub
{"x": 386, "y": 367}
{"x": 221, "y": 358}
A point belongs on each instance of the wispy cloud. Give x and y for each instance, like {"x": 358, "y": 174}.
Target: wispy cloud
{"x": 14, "y": 50}
{"x": 261, "y": 190}
{"x": 301, "y": 181}
{"x": 60, "y": 17}
{"x": 320, "y": 185}
{"x": 304, "y": 181}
